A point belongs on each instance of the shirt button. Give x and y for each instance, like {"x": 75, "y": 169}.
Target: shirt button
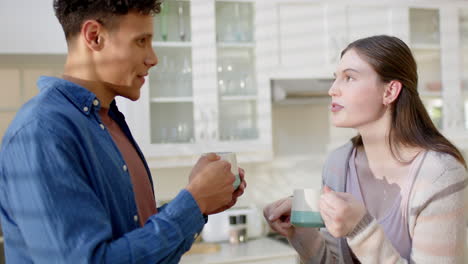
{"x": 102, "y": 126}
{"x": 95, "y": 102}
{"x": 85, "y": 109}
{"x": 135, "y": 218}
{"x": 124, "y": 167}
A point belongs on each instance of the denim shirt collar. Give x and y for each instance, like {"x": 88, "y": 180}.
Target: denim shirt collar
{"x": 81, "y": 97}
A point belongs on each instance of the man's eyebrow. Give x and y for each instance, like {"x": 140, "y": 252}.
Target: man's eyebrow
{"x": 150, "y": 35}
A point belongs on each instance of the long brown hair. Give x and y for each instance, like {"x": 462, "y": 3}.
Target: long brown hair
{"x": 411, "y": 125}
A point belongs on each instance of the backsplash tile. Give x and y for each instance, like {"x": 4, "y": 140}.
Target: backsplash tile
{"x": 10, "y": 88}
{"x": 5, "y": 119}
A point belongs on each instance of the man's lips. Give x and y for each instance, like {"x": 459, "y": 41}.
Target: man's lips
{"x": 334, "y": 107}
{"x": 142, "y": 78}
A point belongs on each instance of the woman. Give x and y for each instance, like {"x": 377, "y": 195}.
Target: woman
{"x": 395, "y": 193}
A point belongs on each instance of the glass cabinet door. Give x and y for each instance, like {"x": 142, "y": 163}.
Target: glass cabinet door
{"x": 170, "y": 81}
{"x": 463, "y": 22}
{"x": 173, "y": 24}
{"x": 237, "y": 84}
{"x": 425, "y": 44}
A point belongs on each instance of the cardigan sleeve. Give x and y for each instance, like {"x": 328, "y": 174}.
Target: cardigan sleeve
{"x": 314, "y": 245}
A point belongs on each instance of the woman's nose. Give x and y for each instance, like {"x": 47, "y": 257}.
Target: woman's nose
{"x": 333, "y": 91}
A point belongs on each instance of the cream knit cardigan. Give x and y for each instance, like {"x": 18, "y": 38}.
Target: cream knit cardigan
{"x": 437, "y": 213}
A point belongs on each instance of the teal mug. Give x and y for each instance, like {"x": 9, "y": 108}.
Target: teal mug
{"x": 305, "y": 210}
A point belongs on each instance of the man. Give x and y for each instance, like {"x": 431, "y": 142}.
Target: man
{"x": 75, "y": 187}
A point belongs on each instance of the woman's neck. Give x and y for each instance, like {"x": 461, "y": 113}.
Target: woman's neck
{"x": 376, "y": 144}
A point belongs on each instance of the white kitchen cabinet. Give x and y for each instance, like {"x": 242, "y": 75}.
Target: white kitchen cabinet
{"x": 209, "y": 91}
{"x": 30, "y": 27}
{"x": 309, "y": 35}
{"x": 301, "y": 36}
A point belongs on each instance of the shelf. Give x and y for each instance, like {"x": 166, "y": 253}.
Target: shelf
{"x": 420, "y": 46}
{"x": 238, "y": 98}
{"x": 172, "y": 100}
{"x": 236, "y": 45}
{"x": 172, "y": 44}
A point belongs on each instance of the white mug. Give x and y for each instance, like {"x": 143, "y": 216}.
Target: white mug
{"x": 231, "y": 158}
{"x": 305, "y": 210}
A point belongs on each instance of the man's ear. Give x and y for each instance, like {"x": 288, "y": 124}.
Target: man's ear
{"x": 392, "y": 91}
{"x": 92, "y": 32}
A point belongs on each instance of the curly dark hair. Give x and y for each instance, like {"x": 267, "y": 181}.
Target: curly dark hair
{"x": 72, "y": 13}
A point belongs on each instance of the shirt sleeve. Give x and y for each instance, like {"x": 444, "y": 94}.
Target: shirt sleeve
{"x": 48, "y": 197}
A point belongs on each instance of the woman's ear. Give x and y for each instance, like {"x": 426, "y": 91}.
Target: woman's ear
{"x": 392, "y": 90}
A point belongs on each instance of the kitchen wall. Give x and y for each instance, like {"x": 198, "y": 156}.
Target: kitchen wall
{"x": 18, "y": 75}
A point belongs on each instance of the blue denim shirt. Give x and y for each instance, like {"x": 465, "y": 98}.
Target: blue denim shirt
{"x": 66, "y": 194}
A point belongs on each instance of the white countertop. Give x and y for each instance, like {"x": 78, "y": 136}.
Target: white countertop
{"x": 253, "y": 250}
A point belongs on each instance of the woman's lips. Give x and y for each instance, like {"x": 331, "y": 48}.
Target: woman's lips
{"x": 336, "y": 107}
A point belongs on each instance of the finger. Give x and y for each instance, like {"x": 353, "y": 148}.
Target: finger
{"x": 326, "y": 209}
{"x": 327, "y": 220}
{"x": 344, "y": 196}
{"x": 278, "y": 227}
{"x": 285, "y": 225}
{"x": 241, "y": 173}
{"x": 327, "y": 189}
{"x": 333, "y": 200}
{"x": 242, "y": 176}
{"x": 211, "y": 156}
{"x": 232, "y": 203}
{"x": 243, "y": 184}
{"x": 242, "y": 187}
{"x": 222, "y": 165}
{"x": 283, "y": 209}
{"x": 238, "y": 192}
{"x": 271, "y": 207}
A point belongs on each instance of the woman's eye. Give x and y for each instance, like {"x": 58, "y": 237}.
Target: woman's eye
{"x": 142, "y": 41}
{"x": 349, "y": 78}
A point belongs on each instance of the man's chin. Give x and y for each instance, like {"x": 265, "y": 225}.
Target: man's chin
{"x": 132, "y": 97}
